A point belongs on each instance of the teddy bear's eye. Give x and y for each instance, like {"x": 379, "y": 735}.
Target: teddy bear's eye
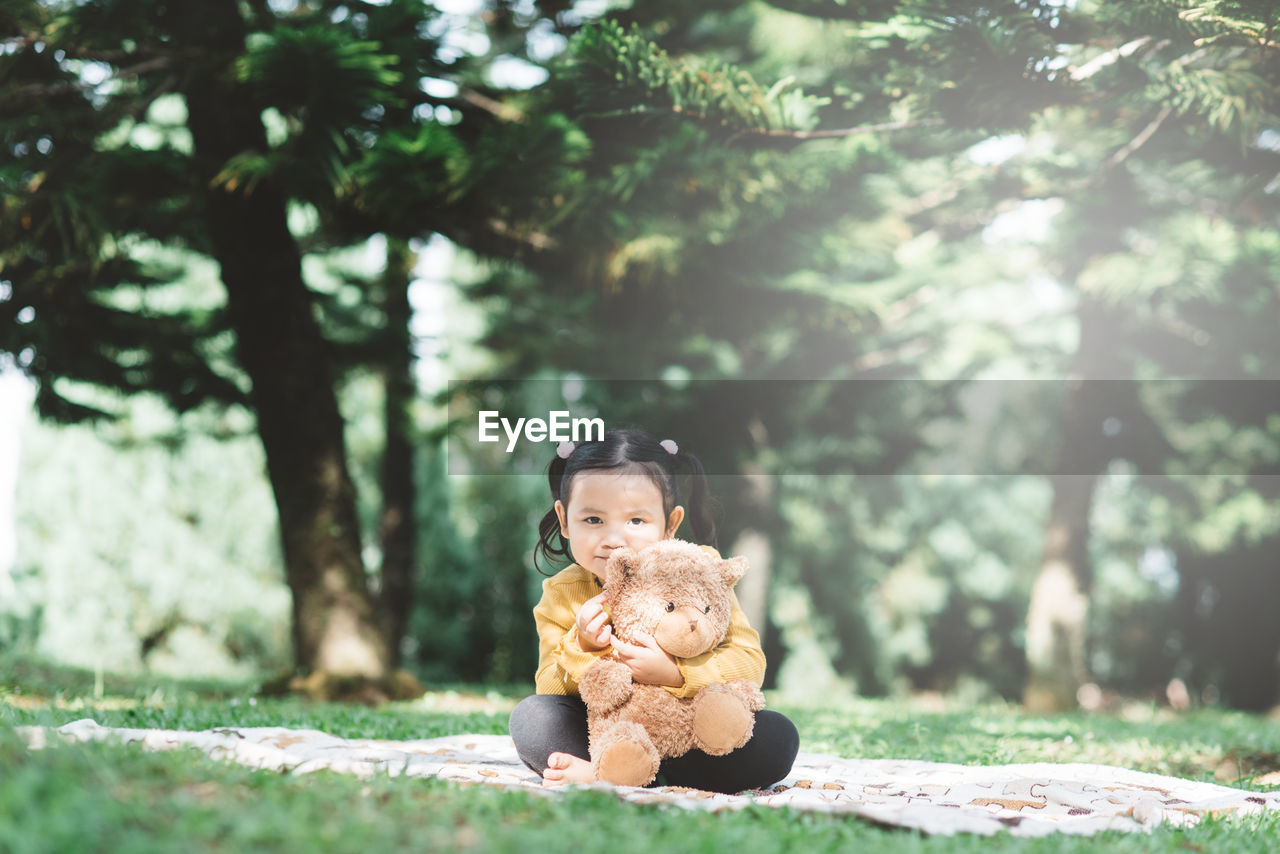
{"x": 706, "y": 610}
{"x": 671, "y": 606}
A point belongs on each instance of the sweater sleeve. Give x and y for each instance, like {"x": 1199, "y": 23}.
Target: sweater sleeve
{"x": 561, "y": 659}
{"x": 739, "y": 656}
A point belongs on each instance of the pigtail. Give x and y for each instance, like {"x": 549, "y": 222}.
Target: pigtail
{"x": 700, "y": 504}
{"x": 555, "y": 476}
{"x": 552, "y": 546}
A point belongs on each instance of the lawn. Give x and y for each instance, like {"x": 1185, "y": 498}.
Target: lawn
{"x": 109, "y": 798}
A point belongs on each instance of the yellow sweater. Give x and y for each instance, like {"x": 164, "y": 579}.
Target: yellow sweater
{"x": 562, "y": 661}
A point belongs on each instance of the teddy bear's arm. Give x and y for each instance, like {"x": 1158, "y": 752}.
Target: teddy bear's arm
{"x": 606, "y": 685}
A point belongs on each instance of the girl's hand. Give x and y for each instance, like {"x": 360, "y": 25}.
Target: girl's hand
{"x": 594, "y": 631}
{"x": 650, "y": 664}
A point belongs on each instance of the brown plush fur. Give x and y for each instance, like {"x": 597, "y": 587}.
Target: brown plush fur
{"x": 681, "y": 595}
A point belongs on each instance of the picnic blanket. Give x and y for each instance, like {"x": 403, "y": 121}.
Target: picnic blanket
{"x": 939, "y": 798}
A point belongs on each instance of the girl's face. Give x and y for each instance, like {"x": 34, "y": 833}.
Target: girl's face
{"x": 609, "y": 510}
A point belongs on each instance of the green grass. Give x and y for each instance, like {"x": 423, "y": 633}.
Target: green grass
{"x": 111, "y": 798}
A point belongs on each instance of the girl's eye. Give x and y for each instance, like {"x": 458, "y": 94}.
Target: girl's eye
{"x": 637, "y": 521}
{"x": 671, "y": 606}
{"x": 591, "y": 520}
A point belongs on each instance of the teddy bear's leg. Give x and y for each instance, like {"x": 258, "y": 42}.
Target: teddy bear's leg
{"x": 622, "y": 754}
{"x": 724, "y": 716}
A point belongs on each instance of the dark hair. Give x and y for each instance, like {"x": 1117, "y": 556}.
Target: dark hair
{"x": 626, "y": 449}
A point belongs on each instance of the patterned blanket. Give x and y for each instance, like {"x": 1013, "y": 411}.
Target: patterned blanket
{"x": 1025, "y": 800}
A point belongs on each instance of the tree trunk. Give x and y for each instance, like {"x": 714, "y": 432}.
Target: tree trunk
{"x": 751, "y": 504}
{"x": 1057, "y": 617}
{"x": 279, "y": 345}
{"x": 397, "y": 526}
{"x": 753, "y": 590}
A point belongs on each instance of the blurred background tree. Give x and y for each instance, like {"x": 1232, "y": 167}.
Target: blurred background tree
{"x": 206, "y": 129}
{"x": 811, "y": 241}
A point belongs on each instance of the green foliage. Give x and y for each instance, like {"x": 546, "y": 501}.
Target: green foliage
{"x": 150, "y": 544}
{"x": 935, "y": 588}
{"x": 997, "y": 60}
{"x": 622, "y": 67}
{"x": 474, "y": 616}
{"x": 325, "y": 85}
{"x": 1229, "y": 100}
{"x": 69, "y": 224}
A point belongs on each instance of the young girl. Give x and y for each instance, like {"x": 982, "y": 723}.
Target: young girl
{"x": 621, "y": 491}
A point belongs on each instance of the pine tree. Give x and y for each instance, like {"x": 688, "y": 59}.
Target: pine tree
{"x": 202, "y": 127}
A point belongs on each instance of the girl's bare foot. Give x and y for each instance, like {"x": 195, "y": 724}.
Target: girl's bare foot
{"x": 566, "y": 768}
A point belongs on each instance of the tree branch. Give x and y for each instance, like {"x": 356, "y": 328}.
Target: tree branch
{"x": 866, "y": 10}
{"x": 896, "y": 311}
{"x": 1111, "y": 57}
{"x": 45, "y": 90}
{"x": 905, "y": 352}
{"x": 506, "y": 112}
{"x": 111, "y": 57}
{"x": 884, "y": 127}
{"x": 534, "y": 239}
{"x": 775, "y": 134}
{"x": 1123, "y": 153}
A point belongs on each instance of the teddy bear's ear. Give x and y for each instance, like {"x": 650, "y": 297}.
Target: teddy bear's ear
{"x": 622, "y": 563}
{"x": 733, "y": 569}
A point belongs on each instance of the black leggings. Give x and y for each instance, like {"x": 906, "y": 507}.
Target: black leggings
{"x": 543, "y": 724}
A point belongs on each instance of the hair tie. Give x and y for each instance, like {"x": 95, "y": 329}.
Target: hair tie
{"x": 670, "y": 446}
{"x": 564, "y": 449}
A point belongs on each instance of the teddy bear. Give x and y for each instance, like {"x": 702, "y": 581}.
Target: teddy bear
{"x": 681, "y": 595}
